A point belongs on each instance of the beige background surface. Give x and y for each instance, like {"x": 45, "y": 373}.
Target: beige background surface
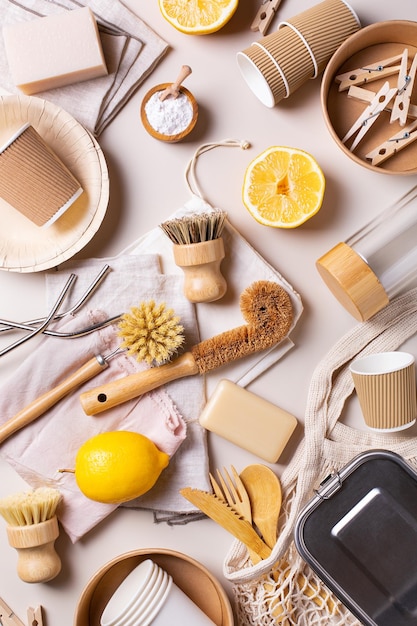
{"x": 147, "y": 185}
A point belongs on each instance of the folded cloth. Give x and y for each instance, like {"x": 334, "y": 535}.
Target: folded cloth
{"x": 40, "y": 449}
{"x": 130, "y": 47}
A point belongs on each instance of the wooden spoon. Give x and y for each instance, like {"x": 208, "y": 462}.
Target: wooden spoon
{"x": 264, "y": 489}
{"x": 174, "y": 88}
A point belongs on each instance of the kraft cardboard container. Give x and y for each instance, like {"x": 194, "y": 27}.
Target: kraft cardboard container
{"x": 371, "y": 44}
{"x": 188, "y": 574}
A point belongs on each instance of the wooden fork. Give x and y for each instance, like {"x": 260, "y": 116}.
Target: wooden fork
{"x": 235, "y": 494}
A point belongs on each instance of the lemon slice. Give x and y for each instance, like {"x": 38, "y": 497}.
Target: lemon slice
{"x": 198, "y": 17}
{"x": 283, "y": 187}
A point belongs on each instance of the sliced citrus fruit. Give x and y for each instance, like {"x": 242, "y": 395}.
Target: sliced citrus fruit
{"x": 283, "y": 187}
{"x": 198, "y": 17}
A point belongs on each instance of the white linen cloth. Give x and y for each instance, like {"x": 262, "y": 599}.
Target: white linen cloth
{"x": 131, "y": 49}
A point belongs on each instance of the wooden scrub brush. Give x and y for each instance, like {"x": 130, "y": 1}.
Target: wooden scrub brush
{"x": 32, "y": 528}
{"x": 199, "y": 250}
{"x": 150, "y": 331}
{"x": 268, "y": 311}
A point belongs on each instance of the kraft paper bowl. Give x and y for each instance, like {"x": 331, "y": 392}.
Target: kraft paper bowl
{"x": 188, "y": 574}
{"x": 371, "y": 44}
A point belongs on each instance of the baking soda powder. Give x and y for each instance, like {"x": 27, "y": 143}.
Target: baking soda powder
{"x": 170, "y": 116}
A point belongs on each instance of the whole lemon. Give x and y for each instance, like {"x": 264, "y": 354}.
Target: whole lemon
{"x": 117, "y": 466}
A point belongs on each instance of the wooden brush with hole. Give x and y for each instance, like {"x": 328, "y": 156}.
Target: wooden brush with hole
{"x": 199, "y": 250}
{"x": 267, "y": 309}
{"x": 32, "y": 528}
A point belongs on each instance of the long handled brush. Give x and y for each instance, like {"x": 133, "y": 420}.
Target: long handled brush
{"x": 266, "y": 307}
{"x": 32, "y": 528}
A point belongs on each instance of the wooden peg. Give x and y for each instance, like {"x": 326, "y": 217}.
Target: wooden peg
{"x": 373, "y": 71}
{"x": 7, "y": 616}
{"x": 405, "y": 84}
{"x": 35, "y": 617}
{"x": 394, "y": 144}
{"x": 265, "y": 15}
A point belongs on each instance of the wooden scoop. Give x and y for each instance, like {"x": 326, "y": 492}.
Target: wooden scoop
{"x": 264, "y": 489}
{"x": 174, "y": 89}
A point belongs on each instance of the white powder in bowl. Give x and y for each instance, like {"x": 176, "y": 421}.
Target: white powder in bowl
{"x": 170, "y": 116}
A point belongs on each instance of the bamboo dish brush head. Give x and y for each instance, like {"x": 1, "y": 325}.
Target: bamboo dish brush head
{"x": 268, "y": 311}
{"x": 32, "y": 528}
{"x": 151, "y": 332}
{"x": 199, "y": 250}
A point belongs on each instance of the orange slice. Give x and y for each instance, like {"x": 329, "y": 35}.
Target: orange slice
{"x": 198, "y": 17}
{"x": 283, "y": 187}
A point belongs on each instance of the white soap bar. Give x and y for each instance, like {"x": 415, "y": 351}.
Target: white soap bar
{"x": 54, "y": 51}
{"x": 248, "y": 421}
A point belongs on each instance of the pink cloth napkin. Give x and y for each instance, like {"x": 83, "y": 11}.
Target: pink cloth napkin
{"x": 40, "y": 449}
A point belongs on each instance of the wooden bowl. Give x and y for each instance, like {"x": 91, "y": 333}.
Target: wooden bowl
{"x": 371, "y": 44}
{"x": 156, "y": 134}
{"x": 192, "y": 577}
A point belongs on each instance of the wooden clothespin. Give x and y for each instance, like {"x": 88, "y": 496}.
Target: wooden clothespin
{"x": 366, "y": 95}
{"x": 7, "y": 616}
{"x": 370, "y": 114}
{"x": 265, "y": 15}
{"x": 405, "y": 87}
{"x": 35, "y": 617}
{"x": 374, "y": 71}
{"x": 394, "y": 144}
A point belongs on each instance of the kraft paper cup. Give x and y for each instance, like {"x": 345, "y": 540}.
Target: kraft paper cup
{"x": 34, "y": 180}
{"x": 323, "y": 28}
{"x": 276, "y": 66}
{"x": 262, "y": 74}
{"x": 386, "y": 387}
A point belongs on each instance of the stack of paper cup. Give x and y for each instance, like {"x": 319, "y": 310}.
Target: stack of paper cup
{"x": 278, "y": 64}
{"x": 148, "y": 595}
{"x": 33, "y": 179}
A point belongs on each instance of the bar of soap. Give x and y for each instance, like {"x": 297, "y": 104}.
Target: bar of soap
{"x": 54, "y": 51}
{"x": 247, "y": 420}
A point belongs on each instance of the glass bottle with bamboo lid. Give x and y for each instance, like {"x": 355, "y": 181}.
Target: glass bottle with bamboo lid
{"x": 377, "y": 263}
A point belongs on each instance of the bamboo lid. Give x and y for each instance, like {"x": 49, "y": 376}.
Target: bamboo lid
{"x": 352, "y": 282}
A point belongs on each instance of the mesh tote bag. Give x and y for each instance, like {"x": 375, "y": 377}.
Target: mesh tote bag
{"x": 283, "y": 590}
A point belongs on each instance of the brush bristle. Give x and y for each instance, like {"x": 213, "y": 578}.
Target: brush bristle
{"x": 151, "y": 332}
{"x": 267, "y": 309}
{"x": 195, "y": 228}
{"x": 32, "y": 507}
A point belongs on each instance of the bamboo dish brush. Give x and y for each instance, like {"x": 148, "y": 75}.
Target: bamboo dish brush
{"x": 199, "y": 250}
{"x": 150, "y": 331}
{"x": 268, "y": 311}
{"x": 32, "y": 528}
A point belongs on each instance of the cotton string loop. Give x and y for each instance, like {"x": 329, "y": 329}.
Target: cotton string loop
{"x": 190, "y": 174}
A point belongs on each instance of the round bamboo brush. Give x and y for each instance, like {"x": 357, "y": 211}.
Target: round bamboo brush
{"x": 267, "y": 309}
{"x": 32, "y": 528}
{"x": 199, "y": 250}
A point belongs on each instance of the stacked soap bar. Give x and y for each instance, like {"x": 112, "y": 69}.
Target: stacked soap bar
{"x": 248, "y": 421}
{"x": 54, "y": 51}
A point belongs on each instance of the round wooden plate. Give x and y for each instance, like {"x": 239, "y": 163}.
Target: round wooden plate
{"x": 192, "y": 577}
{"x": 24, "y": 247}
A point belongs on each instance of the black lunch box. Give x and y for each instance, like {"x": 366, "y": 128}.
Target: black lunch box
{"x": 359, "y": 534}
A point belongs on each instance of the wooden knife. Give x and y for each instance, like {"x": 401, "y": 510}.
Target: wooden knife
{"x": 219, "y": 511}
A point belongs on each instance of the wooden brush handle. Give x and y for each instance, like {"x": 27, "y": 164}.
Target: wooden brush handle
{"x": 200, "y": 262}
{"x": 39, "y": 406}
{"x": 124, "y": 389}
{"x": 37, "y": 561}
